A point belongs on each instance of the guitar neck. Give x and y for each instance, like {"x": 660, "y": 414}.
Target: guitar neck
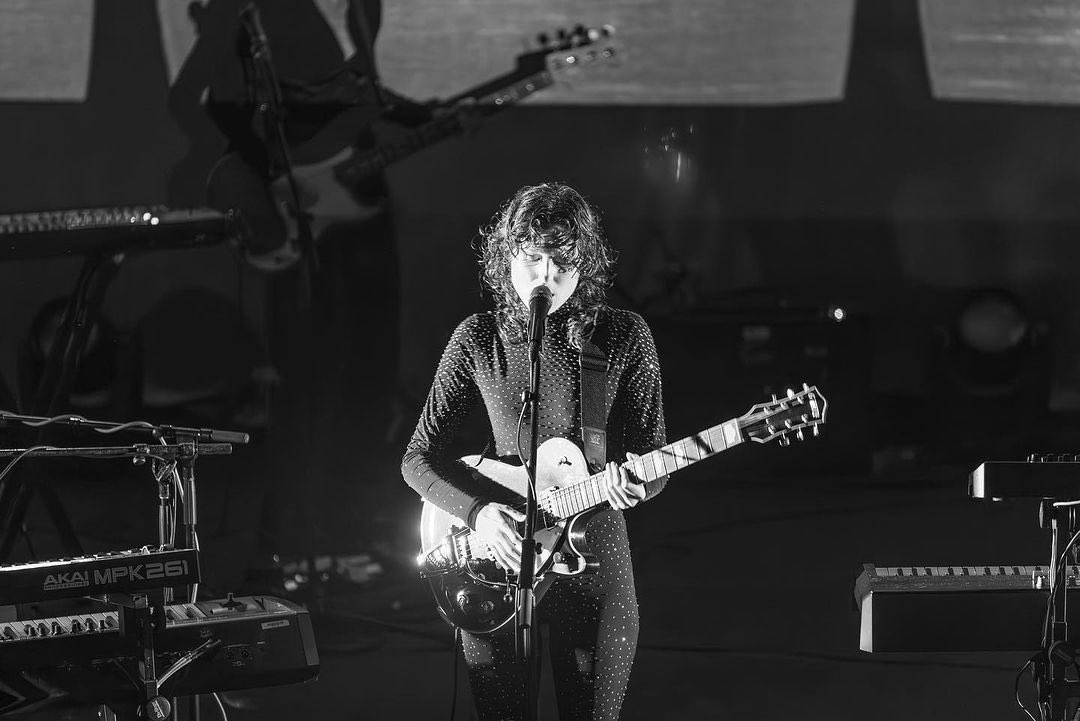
{"x": 447, "y": 126}
{"x": 588, "y": 492}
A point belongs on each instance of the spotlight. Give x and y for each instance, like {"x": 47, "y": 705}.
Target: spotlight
{"x": 837, "y": 314}
{"x": 993, "y": 342}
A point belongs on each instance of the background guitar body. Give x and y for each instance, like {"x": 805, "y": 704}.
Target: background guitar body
{"x": 480, "y": 599}
{"x": 267, "y": 203}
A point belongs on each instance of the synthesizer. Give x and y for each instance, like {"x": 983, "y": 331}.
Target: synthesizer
{"x": 958, "y": 608}
{"x": 250, "y": 641}
{"x": 1048, "y": 476}
{"x": 114, "y": 572}
{"x": 113, "y": 230}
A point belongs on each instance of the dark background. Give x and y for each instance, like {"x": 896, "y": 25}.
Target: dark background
{"x": 892, "y": 204}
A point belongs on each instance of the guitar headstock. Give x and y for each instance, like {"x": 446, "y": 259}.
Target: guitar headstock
{"x": 565, "y": 51}
{"x": 785, "y": 417}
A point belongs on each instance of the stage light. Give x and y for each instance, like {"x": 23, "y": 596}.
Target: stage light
{"x": 991, "y": 342}
{"x": 992, "y": 372}
{"x": 837, "y": 313}
{"x": 992, "y": 322}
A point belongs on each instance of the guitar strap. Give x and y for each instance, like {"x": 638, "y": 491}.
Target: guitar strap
{"x": 362, "y": 25}
{"x": 594, "y": 367}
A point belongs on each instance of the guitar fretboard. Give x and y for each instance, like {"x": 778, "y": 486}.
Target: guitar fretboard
{"x": 441, "y": 128}
{"x": 588, "y": 492}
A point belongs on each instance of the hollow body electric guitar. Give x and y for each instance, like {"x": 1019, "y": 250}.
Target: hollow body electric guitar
{"x": 475, "y": 594}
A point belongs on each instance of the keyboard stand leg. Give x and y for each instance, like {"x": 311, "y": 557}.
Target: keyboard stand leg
{"x": 53, "y": 390}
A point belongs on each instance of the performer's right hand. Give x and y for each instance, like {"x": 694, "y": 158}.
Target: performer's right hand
{"x": 496, "y": 524}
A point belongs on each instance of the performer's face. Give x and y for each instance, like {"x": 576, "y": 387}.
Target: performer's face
{"x": 532, "y": 266}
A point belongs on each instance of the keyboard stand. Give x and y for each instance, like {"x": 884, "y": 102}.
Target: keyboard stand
{"x": 54, "y": 388}
{"x": 141, "y": 614}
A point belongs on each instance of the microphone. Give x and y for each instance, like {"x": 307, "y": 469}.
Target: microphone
{"x": 539, "y": 305}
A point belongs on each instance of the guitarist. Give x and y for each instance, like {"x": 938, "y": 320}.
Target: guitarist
{"x": 320, "y": 331}
{"x": 547, "y": 234}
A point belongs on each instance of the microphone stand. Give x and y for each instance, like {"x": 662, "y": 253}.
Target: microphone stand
{"x": 1057, "y": 693}
{"x": 526, "y": 599}
{"x": 270, "y": 105}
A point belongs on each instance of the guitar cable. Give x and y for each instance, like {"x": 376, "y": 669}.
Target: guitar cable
{"x": 1016, "y": 686}
{"x": 454, "y": 675}
{"x": 1059, "y": 570}
{"x": 7, "y": 469}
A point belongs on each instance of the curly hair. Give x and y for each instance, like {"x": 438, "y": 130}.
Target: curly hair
{"x": 551, "y": 216}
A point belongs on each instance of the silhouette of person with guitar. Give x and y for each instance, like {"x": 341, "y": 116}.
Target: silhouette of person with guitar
{"x": 296, "y": 92}
{"x": 547, "y": 235}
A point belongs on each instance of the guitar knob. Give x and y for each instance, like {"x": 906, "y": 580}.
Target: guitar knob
{"x": 487, "y": 606}
{"x": 464, "y": 600}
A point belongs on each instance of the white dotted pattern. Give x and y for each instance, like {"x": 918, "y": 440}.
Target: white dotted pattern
{"x": 592, "y": 619}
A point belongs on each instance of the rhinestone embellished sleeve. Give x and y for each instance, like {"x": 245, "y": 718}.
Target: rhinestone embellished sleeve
{"x": 479, "y": 365}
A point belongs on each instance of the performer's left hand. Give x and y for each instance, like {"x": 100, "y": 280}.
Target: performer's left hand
{"x": 622, "y": 489}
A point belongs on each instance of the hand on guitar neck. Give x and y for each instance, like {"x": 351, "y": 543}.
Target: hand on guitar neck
{"x": 621, "y": 488}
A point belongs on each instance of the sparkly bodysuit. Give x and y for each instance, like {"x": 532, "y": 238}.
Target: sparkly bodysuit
{"x": 592, "y": 618}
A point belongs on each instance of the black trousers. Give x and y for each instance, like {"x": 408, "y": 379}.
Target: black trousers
{"x": 592, "y": 623}
{"x": 337, "y": 356}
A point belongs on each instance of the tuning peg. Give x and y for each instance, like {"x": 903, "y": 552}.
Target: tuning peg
{"x": 816, "y": 431}
{"x": 806, "y": 388}
{"x": 799, "y": 435}
{"x": 790, "y": 393}
{"x": 784, "y": 440}
{"x": 788, "y": 423}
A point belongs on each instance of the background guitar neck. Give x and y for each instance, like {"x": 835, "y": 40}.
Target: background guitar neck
{"x": 587, "y": 493}
{"x": 487, "y": 99}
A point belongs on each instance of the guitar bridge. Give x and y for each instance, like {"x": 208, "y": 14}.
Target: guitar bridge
{"x": 445, "y": 557}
